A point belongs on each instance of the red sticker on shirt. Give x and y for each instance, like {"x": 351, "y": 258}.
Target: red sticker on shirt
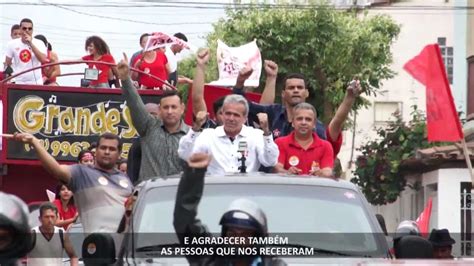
{"x": 25, "y": 56}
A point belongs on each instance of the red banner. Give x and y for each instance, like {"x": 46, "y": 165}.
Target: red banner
{"x": 442, "y": 119}
{"x": 423, "y": 220}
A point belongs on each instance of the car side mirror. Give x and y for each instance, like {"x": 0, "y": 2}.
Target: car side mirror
{"x": 381, "y": 221}
{"x": 98, "y": 249}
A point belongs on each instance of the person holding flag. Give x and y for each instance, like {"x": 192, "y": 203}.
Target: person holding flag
{"x": 153, "y": 62}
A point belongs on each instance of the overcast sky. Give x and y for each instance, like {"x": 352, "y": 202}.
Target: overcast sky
{"x": 66, "y": 24}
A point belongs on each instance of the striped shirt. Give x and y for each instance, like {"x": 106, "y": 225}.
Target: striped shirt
{"x": 159, "y": 147}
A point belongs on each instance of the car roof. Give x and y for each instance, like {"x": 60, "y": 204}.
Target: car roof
{"x": 254, "y": 178}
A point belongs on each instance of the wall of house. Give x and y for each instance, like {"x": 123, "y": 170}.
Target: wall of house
{"x": 407, "y": 207}
{"x": 449, "y": 198}
{"x": 446, "y": 200}
{"x": 418, "y": 28}
{"x": 459, "y": 88}
{"x": 470, "y": 33}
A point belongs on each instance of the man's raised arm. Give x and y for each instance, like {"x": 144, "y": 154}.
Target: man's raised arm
{"x": 58, "y": 171}
{"x": 140, "y": 117}
{"x": 337, "y": 122}
{"x": 199, "y": 104}
{"x": 244, "y": 74}
{"x": 188, "y": 197}
{"x": 268, "y": 94}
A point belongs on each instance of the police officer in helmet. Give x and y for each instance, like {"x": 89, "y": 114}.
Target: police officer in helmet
{"x": 243, "y": 218}
{"x": 15, "y": 235}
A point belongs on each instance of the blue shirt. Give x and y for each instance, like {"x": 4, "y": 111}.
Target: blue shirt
{"x": 277, "y": 115}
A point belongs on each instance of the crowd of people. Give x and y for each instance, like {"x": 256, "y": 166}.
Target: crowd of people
{"x": 26, "y": 51}
{"x": 243, "y": 136}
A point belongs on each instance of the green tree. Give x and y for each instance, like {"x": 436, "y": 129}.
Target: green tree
{"x": 330, "y": 47}
{"x": 379, "y": 171}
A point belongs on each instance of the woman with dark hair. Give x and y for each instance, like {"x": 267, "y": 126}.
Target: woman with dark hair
{"x": 85, "y": 157}
{"x": 67, "y": 212}
{"x": 49, "y": 73}
{"x": 99, "y": 51}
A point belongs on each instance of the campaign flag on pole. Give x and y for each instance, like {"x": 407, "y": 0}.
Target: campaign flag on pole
{"x": 423, "y": 221}
{"x": 442, "y": 119}
{"x": 230, "y": 60}
{"x": 159, "y": 39}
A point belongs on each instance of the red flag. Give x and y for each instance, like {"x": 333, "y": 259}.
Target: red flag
{"x": 442, "y": 119}
{"x": 423, "y": 221}
{"x": 211, "y": 94}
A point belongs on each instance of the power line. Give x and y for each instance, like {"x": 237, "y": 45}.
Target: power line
{"x": 213, "y": 5}
{"x": 54, "y": 29}
{"x": 125, "y": 19}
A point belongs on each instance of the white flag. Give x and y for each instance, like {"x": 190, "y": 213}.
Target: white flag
{"x": 51, "y": 195}
{"x": 231, "y": 59}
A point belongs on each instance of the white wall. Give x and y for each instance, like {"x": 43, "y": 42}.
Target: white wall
{"x": 449, "y": 198}
{"x": 406, "y": 207}
{"x": 418, "y": 28}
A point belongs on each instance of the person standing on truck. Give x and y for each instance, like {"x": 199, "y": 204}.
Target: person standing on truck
{"x": 25, "y": 53}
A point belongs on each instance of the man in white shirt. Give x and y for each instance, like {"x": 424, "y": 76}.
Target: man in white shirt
{"x": 171, "y": 52}
{"x": 25, "y": 53}
{"x": 232, "y": 145}
{"x": 50, "y": 241}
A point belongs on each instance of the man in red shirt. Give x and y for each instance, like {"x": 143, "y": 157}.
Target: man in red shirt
{"x": 302, "y": 152}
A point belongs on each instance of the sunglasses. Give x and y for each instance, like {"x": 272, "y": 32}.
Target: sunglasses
{"x": 27, "y": 28}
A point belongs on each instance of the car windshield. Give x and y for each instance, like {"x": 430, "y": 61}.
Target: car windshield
{"x": 321, "y": 217}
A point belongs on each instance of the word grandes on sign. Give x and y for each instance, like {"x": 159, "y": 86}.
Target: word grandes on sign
{"x": 32, "y": 115}
{"x": 67, "y": 121}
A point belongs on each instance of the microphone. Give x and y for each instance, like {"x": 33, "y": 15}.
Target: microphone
{"x": 242, "y": 149}
{"x": 242, "y": 146}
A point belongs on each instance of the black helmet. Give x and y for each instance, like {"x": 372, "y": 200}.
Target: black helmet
{"x": 244, "y": 213}
{"x": 14, "y": 222}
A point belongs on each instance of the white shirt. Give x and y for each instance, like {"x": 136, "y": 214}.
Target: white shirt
{"x": 260, "y": 149}
{"x": 172, "y": 59}
{"x": 46, "y": 252}
{"x": 23, "y": 58}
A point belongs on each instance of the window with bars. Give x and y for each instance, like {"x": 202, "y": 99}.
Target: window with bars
{"x": 386, "y": 111}
{"x": 447, "y": 53}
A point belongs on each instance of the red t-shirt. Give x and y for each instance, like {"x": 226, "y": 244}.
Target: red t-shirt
{"x": 103, "y": 69}
{"x": 318, "y": 154}
{"x": 64, "y": 215}
{"x": 336, "y": 144}
{"x": 157, "y": 68}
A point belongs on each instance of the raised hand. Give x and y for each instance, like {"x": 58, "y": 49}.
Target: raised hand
{"x": 123, "y": 70}
{"x": 203, "y": 57}
{"x": 354, "y": 88}
{"x": 201, "y": 118}
{"x": 244, "y": 74}
{"x": 271, "y": 68}
{"x": 199, "y": 160}
{"x": 263, "y": 122}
